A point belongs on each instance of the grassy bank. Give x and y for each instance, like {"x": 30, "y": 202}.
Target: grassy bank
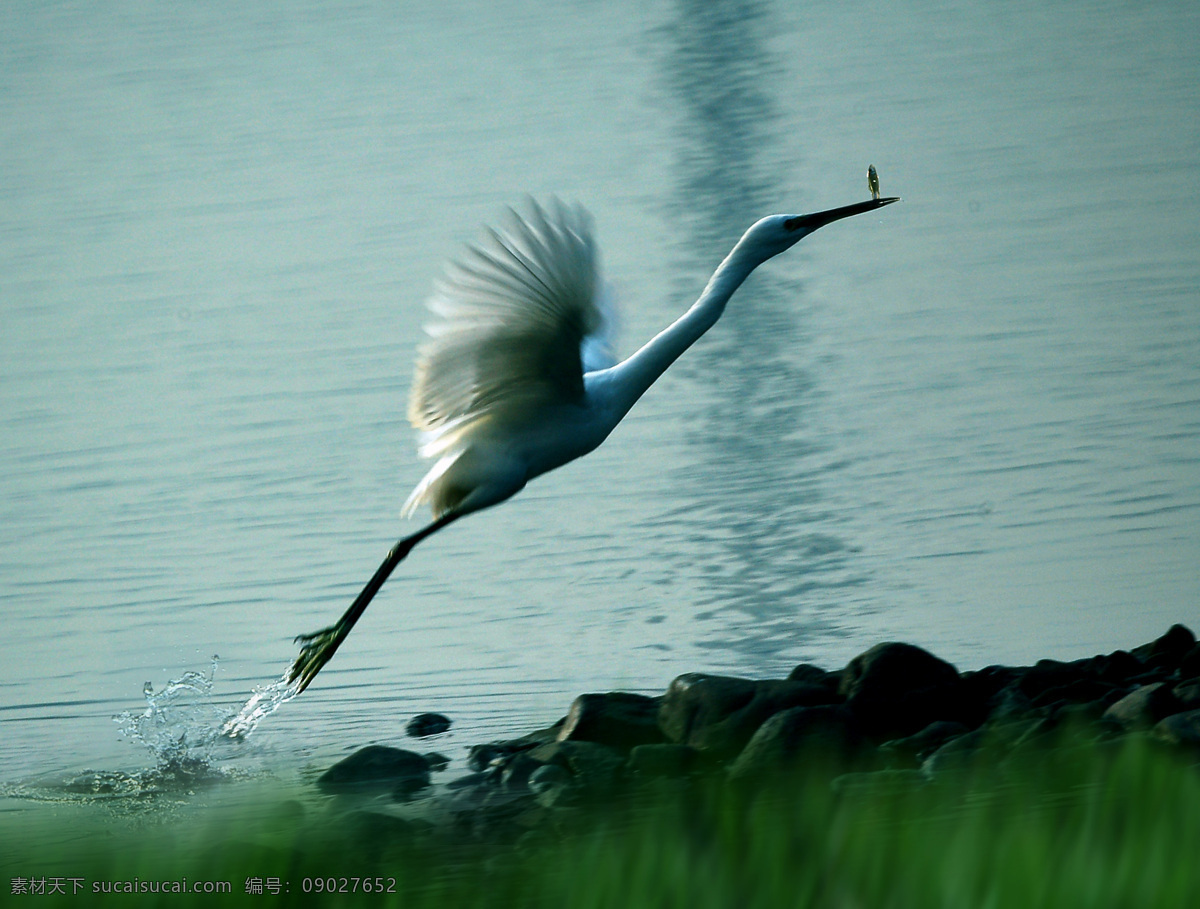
{"x": 1061, "y": 827}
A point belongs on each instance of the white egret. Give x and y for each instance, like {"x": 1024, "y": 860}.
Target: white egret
{"x": 516, "y": 378}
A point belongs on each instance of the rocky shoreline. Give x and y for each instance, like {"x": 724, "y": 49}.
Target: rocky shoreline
{"x": 896, "y": 715}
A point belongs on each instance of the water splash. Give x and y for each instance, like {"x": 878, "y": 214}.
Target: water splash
{"x": 265, "y": 701}
{"x": 180, "y": 727}
{"x": 188, "y": 735}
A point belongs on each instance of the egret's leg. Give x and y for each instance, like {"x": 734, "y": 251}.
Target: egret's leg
{"x": 318, "y": 648}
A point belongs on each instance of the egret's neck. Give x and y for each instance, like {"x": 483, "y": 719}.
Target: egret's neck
{"x": 624, "y": 383}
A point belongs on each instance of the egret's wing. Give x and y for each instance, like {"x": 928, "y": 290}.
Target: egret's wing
{"x": 598, "y": 350}
{"x": 511, "y": 317}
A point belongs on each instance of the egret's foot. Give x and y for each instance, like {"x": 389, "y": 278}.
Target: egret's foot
{"x": 316, "y": 650}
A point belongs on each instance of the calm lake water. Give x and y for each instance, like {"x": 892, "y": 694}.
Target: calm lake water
{"x": 971, "y": 421}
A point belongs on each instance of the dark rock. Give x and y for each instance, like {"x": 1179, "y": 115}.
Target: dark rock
{"x": 695, "y": 701}
{"x": 1180, "y": 729}
{"x": 427, "y": 724}
{"x": 1143, "y": 707}
{"x": 1149, "y": 676}
{"x": 405, "y": 789}
{"x": 1050, "y": 685}
{"x": 664, "y": 760}
{"x": 1168, "y": 651}
{"x": 490, "y": 814}
{"x": 1189, "y": 666}
{"x": 901, "y": 664}
{"x": 548, "y": 776}
{"x": 1045, "y": 675}
{"x": 719, "y": 714}
{"x": 998, "y": 723}
{"x": 1076, "y": 691}
{"x": 1113, "y": 695}
{"x": 819, "y": 734}
{"x": 992, "y": 679}
{"x": 1040, "y": 733}
{"x": 1116, "y": 668}
{"x": 507, "y": 802}
{"x": 516, "y": 771}
{"x": 815, "y": 675}
{"x": 480, "y": 757}
{"x": 617, "y": 719}
{"x": 1010, "y": 704}
{"x": 1074, "y": 729}
{"x": 1001, "y": 736}
{"x": 377, "y": 767}
{"x": 1188, "y": 694}
{"x": 897, "y": 689}
{"x": 569, "y": 796}
{"x": 1085, "y": 714}
{"x": 921, "y": 744}
{"x": 460, "y": 809}
{"x": 468, "y": 798}
{"x": 596, "y": 768}
{"x": 956, "y": 754}
{"x": 554, "y": 787}
{"x": 980, "y": 690}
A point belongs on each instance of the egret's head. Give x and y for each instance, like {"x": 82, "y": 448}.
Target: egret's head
{"x": 775, "y": 233}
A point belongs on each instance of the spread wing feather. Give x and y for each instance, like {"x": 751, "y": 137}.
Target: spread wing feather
{"x": 511, "y": 317}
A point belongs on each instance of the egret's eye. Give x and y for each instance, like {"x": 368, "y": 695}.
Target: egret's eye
{"x": 793, "y": 223}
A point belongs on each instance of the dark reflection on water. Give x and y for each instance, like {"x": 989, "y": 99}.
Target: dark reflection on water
{"x": 753, "y": 498}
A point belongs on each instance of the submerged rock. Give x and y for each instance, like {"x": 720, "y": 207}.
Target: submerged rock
{"x": 377, "y": 767}
{"x": 424, "y": 725}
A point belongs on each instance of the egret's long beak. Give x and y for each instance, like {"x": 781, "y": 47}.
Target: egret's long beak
{"x": 819, "y": 219}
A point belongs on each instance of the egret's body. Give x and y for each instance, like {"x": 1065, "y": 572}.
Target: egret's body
{"x": 518, "y": 378}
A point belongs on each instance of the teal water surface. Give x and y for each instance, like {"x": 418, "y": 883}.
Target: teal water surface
{"x": 971, "y": 421}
